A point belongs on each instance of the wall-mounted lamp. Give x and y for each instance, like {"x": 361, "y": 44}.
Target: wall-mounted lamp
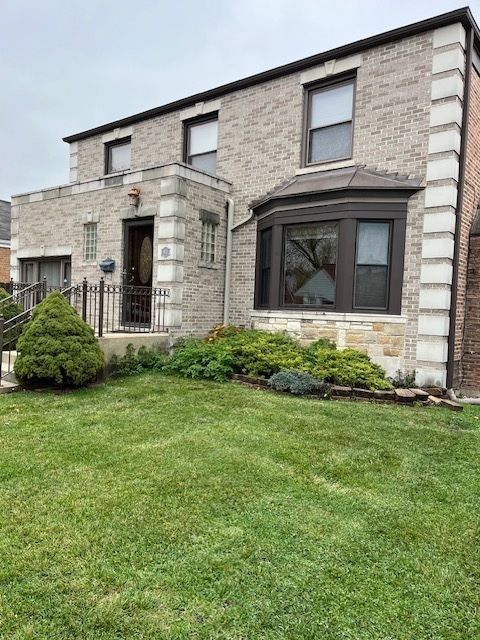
{"x": 134, "y": 195}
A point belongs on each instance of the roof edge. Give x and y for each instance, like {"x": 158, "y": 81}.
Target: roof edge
{"x": 462, "y": 15}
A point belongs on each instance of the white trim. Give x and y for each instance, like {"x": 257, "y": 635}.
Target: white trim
{"x": 450, "y": 34}
{"x": 296, "y": 314}
{"x": 117, "y": 134}
{"x": 201, "y": 109}
{"x": 44, "y": 251}
{"x": 330, "y": 68}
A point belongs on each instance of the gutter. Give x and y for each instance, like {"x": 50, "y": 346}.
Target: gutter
{"x": 228, "y": 260}
{"x": 458, "y": 219}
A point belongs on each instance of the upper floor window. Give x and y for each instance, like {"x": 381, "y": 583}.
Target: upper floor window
{"x": 329, "y": 122}
{"x": 117, "y": 155}
{"x": 201, "y": 144}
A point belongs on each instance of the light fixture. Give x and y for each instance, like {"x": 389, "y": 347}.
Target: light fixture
{"x": 134, "y": 195}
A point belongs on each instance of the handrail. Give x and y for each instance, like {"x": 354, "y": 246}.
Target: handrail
{"x": 22, "y": 292}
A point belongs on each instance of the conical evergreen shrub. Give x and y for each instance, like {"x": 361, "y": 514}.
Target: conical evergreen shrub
{"x": 57, "y": 347}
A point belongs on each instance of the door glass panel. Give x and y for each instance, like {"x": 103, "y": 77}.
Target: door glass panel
{"x": 52, "y": 272}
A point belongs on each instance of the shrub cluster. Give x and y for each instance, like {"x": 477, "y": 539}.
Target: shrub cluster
{"x": 146, "y": 359}
{"x": 298, "y": 382}
{"x": 57, "y": 347}
{"x": 228, "y": 350}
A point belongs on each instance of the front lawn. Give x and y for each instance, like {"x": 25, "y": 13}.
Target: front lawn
{"x": 161, "y": 508}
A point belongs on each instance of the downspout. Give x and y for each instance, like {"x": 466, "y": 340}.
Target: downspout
{"x": 458, "y": 219}
{"x": 228, "y": 260}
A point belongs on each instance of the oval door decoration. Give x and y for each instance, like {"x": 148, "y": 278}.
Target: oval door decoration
{"x": 145, "y": 261}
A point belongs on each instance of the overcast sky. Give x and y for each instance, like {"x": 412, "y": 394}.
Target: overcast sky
{"x": 68, "y": 65}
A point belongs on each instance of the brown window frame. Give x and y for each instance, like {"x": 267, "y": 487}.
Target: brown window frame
{"x": 347, "y": 216}
{"x": 108, "y": 156}
{"x": 320, "y": 87}
{"x": 65, "y": 265}
{"x": 187, "y": 126}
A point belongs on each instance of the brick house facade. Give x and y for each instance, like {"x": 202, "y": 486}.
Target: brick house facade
{"x": 405, "y": 180}
{"x": 4, "y": 240}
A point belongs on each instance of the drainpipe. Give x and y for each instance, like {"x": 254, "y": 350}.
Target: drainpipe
{"x": 458, "y": 220}
{"x": 228, "y": 260}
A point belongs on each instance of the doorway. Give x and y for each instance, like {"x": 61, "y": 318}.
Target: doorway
{"x": 138, "y": 272}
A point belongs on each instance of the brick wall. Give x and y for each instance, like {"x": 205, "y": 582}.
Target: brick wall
{"x": 4, "y": 264}
{"x": 467, "y": 337}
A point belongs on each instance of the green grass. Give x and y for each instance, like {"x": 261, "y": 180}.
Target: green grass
{"x": 159, "y": 508}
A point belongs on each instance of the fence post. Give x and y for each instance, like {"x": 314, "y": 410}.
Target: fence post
{"x": 11, "y": 286}
{"x": 100, "y": 307}
{"x": 84, "y": 300}
{"x": 44, "y": 287}
{"x": 1, "y": 347}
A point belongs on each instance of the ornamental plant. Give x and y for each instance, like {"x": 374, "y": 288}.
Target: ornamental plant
{"x": 57, "y": 348}
{"x": 8, "y": 309}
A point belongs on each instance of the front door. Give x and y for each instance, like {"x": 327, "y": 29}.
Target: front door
{"x": 138, "y": 265}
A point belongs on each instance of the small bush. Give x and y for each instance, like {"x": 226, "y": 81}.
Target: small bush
{"x": 57, "y": 347}
{"x": 348, "y": 368}
{"x": 147, "y": 359}
{"x": 297, "y": 382}
{"x": 222, "y": 331}
{"x": 8, "y": 309}
{"x": 403, "y": 380}
{"x": 193, "y": 358}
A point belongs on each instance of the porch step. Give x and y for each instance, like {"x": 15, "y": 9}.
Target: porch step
{"x": 8, "y": 360}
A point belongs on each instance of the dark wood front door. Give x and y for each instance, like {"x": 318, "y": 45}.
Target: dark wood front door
{"x": 138, "y": 270}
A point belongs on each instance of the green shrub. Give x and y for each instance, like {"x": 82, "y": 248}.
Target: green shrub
{"x": 297, "y": 382}
{"x": 57, "y": 347}
{"x": 194, "y": 358}
{"x": 8, "y": 309}
{"x": 263, "y": 353}
{"x": 348, "y": 368}
{"x": 403, "y": 380}
{"x": 147, "y": 359}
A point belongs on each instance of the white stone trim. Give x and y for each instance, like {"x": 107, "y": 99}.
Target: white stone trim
{"x": 450, "y": 34}
{"x": 172, "y": 205}
{"x": 442, "y": 169}
{"x": 330, "y": 68}
{"x": 171, "y": 228}
{"x": 447, "y": 87}
{"x": 296, "y": 314}
{"x": 440, "y": 222}
{"x": 435, "y": 299}
{"x": 201, "y": 109}
{"x": 446, "y": 113}
{"x": 432, "y": 351}
{"x": 435, "y": 377}
{"x": 438, "y": 248}
{"x": 448, "y": 61}
{"x": 442, "y": 196}
{"x": 44, "y": 251}
{"x": 170, "y": 251}
{"x": 442, "y": 141}
{"x": 117, "y": 134}
{"x": 170, "y": 273}
{"x": 436, "y": 274}
{"x": 432, "y": 325}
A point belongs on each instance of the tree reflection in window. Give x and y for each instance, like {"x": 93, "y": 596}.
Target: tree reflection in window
{"x": 310, "y": 256}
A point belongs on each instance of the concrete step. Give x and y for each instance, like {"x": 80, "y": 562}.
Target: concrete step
{"x": 8, "y": 360}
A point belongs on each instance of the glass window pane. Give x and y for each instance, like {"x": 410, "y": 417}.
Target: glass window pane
{"x": 119, "y": 157}
{"x": 331, "y": 106}
{"x": 371, "y": 287}
{"x": 331, "y": 143}
{"x": 265, "y": 257}
{"x": 203, "y": 137}
{"x": 310, "y": 264}
{"x": 205, "y": 162}
{"x": 373, "y": 242}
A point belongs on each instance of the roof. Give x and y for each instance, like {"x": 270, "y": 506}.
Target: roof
{"x": 463, "y": 15}
{"x": 357, "y": 177}
{"x": 5, "y": 219}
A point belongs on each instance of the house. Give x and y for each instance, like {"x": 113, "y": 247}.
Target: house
{"x": 335, "y": 196}
{"x": 4, "y": 241}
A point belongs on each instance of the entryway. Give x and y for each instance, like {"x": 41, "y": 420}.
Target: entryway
{"x": 138, "y": 271}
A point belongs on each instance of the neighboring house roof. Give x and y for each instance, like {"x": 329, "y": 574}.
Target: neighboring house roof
{"x": 320, "y": 285}
{"x": 463, "y": 15}
{"x": 355, "y": 178}
{"x": 5, "y": 220}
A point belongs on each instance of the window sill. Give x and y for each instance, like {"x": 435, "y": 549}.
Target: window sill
{"x": 325, "y": 166}
{"x": 208, "y": 265}
{"x": 336, "y": 316}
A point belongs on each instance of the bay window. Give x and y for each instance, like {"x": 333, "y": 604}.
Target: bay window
{"x": 344, "y": 258}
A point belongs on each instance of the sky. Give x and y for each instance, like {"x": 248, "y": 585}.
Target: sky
{"x": 69, "y": 65}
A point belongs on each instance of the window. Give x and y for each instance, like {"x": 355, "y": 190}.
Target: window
{"x": 208, "y": 241}
{"x": 372, "y": 265}
{"x": 310, "y": 255}
{"x": 201, "y": 144}
{"x": 329, "y": 134}
{"x": 117, "y": 155}
{"x": 56, "y": 271}
{"x": 90, "y": 242}
{"x": 344, "y": 258}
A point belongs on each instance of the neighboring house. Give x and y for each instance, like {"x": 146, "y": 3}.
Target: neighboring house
{"x": 332, "y": 197}
{"x": 4, "y": 241}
